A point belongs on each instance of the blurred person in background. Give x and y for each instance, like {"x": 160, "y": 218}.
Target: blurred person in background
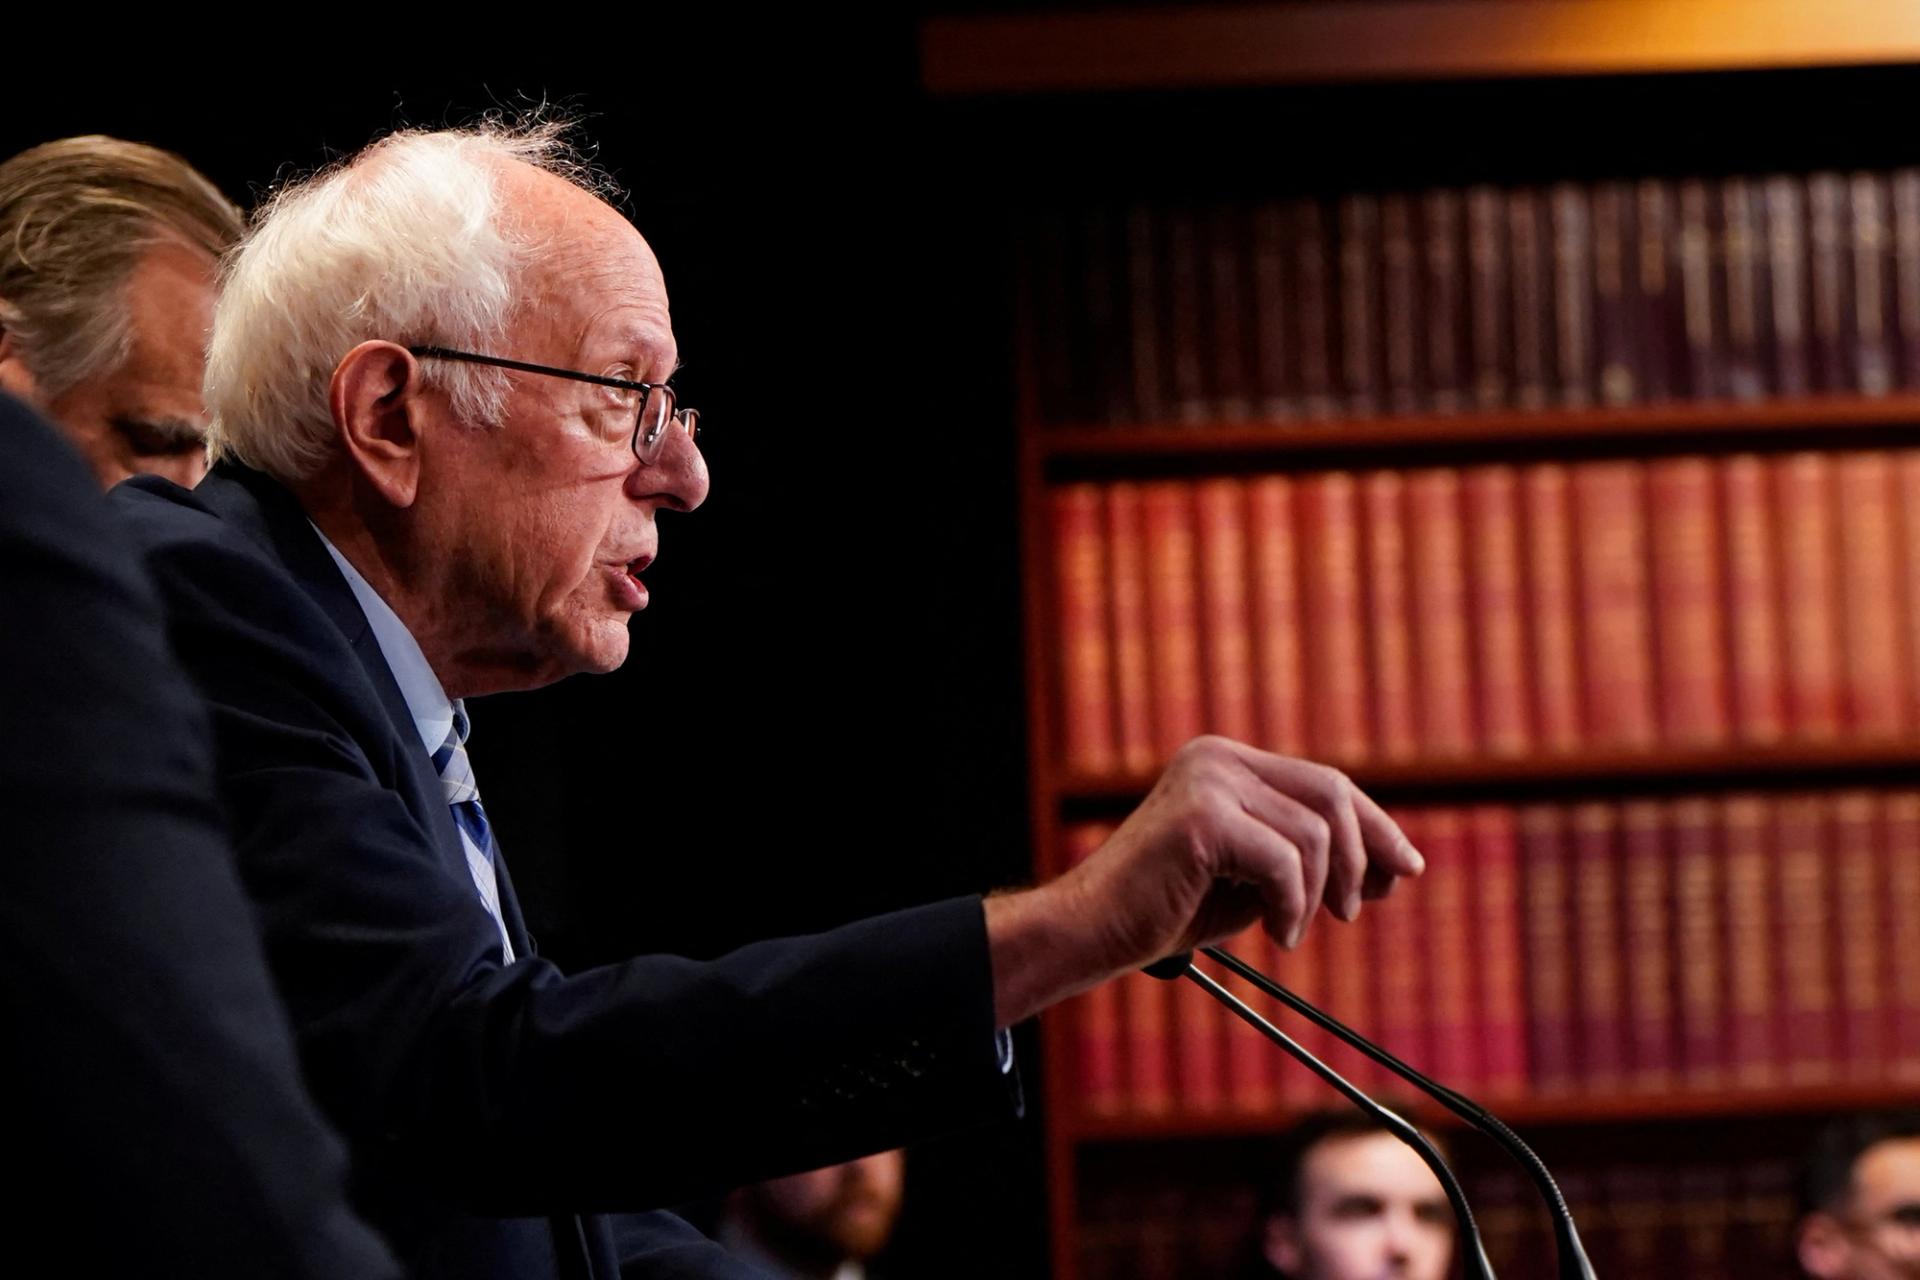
{"x": 823, "y": 1225}
{"x": 1350, "y": 1201}
{"x": 1860, "y": 1199}
{"x": 108, "y": 259}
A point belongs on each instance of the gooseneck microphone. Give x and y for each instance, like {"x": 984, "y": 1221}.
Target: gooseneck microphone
{"x": 1572, "y": 1254}
{"x": 1474, "y": 1250}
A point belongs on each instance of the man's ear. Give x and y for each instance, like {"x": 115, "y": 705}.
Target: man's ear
{"x": 372, "y": 397}
{"x": 1281, "y": 1244}
{"x": 1823, "y": 1246}
{"x": 15, "y": 378}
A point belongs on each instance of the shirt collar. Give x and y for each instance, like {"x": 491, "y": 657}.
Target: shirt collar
{"x": 434, "y": 714}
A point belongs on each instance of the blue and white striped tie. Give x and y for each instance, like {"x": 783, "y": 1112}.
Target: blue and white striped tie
{"x": 476, "y": 835}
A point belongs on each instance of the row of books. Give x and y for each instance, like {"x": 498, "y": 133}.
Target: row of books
{"x": 1482, "y": 299}
{"x": 1687, "y": 1221}
{"x": 1743, "y": 941}
{"x": 1491, "y": 611}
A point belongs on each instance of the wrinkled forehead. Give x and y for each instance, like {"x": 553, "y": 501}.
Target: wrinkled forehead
{"x": 592, "y": 282}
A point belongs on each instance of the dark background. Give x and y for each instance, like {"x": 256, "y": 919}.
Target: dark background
{"x": 824, "y": 713}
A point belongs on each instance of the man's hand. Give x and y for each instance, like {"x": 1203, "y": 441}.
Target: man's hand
{"x": 1228, "y": 835}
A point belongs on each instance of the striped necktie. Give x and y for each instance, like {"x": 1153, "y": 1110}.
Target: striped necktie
{"x": 476, "y": 834}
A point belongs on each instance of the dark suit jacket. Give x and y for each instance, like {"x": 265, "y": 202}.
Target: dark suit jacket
{"x": 475, "y": 1096}
{"x": 156, "y": 1124}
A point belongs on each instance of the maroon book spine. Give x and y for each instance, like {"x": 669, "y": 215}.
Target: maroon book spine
{"x": 1313, "y": 305}
{"x": 1872, "y": 284}
{"x": 1573, "y": 289}
{"x": 1228, "y": 342}
{"x": 1532, "y": 299}
{"x": 1657, "y": 292}
{"x": 1618, "y": 373}
{"x": 1400, "y": 303}
{"x": 1547, "y": 906}
{"x": 1787, "y": 287}
{"x": 1905, "y": 185}
{"x": 1489, "y": 329}
{"x": 1744, "y": 257}
{"x": 1145, "y": 310}
{"x": 1829, "y": 280}
{"x": 1444, "y": 300}
{"x": 1699, "y": 908}
{"x": 1273, "y": 324}
{"x": 1360, "y": 304}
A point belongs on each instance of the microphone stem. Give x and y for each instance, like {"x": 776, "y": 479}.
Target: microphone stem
{"x": 1477, "y": 1266}
{"x": 1574, "y": 1264}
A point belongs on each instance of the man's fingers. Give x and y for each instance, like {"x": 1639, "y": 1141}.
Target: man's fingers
{"x": 1262, "y": 857}
{"x": 1364, "y": 837}
{"x": 1311, "y": 833}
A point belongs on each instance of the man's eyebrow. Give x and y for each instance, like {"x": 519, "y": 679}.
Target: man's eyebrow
{"x": 169, "y": 428}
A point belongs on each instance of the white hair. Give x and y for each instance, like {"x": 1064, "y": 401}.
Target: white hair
{"x": 408, "y": 242}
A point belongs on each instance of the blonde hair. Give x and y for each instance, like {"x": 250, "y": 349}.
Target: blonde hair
{"x": 76, "y": 216}
{"x": 408, "y": 241}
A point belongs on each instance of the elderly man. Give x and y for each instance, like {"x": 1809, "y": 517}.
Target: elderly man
{"x": 107, "y": 260}
{"x": 443, "y": 435}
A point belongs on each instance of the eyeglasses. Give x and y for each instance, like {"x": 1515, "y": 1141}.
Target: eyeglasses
{"x": 657, "y": 410}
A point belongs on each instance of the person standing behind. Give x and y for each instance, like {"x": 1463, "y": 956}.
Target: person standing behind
{"x": 1354, "y": 1202}
{"x": 108, "y": 259}
{"x": 826, "y": 1224}
{"x": 1860, "y": 1200}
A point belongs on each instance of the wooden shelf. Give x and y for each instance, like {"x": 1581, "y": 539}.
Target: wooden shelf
{"x": 1825, "y": 422}
{"x": 1548, "y": 1111}
{"x": 1661, "y": 770}
{"x": 1325, "y": 42}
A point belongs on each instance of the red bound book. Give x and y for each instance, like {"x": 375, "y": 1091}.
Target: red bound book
{"x": 1552, "y": 606}
{"x": 1273, "y": 328}
{"x": 1146, "y": 1013}
{"x": 1660, "y": 318}
{"x": 1699, "y": 908}
{"x": 1809, "y": 595}
{"x": 1872, "y": 284}
{"x": 1613, "y": 280}
{"x": 1173, "y": 614}
{"x": 1830, "y": 284}
{"x": 1331, "y": 593}
{"x": 1547, "y": 925}
{"x": 1230, "y": 312}
{"x": 1402, "y": 955}
{"x": 1610, "y": 516}
{"x": 1086, "y": 663}
{"x": 1600, "y": 982}
{"x": 1253, "y": 1073}
{"x": 1906, "y": 481}
{"x": 1221, "y": 506}
{"x": 1689, "y": 628}
{"x": 1701, "y": 300}
{"x": 1530, "y": 271}
{"x": 1360, "y": 304}
{"x": 1127, "y": 591}
{"x": 1906, "y": 274}
{"x": 1187, "y": 339}
{"x": 1145, "y": 307}
{"x": 1495, "y": 837}
{"x": 1313, "y": 298}
{"x": 1744, "y": 259}
{"x": 1757, "y": 672}
{"x": 1344, "y": 952}
{"x": 1900, "y": 815}
{"x": 1573, "y": 288}
{"x": 1859, "y": 882}
{"x": 1278, "y": 663}
{"x": 1446, "y": 892}
{"x": 1302, "y": 971}
{"x": 1436, "y": 556}
{"x": 1790, "y": 349}
{"x": 1498, "y": 631}
{"x": 1097, "y": 1018}
{"x": 1489, "y": 327}
{"x": 1647, "y": 943}
{"x": 1804, "y": 939}
{"x": 1754, "y": 1031}
{"x": 1389, "y": 630}
{"x": 1400, "y": 962}
{"x": 1401, "y": 316}
{"x": 1444, "y": 300}
{"x": 1874, "y": 689}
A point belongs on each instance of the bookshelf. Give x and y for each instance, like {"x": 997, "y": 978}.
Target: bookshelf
{"x": 1731, "y": 422}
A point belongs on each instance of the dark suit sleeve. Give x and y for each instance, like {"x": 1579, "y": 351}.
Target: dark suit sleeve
{"x": 158, "y": 1124}
{"x": 518, "y": 1089}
